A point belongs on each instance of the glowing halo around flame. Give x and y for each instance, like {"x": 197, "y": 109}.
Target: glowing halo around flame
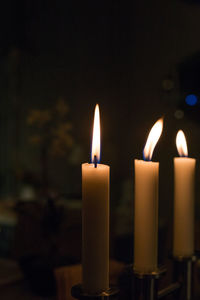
{"x": 152, "y": 139}
{"x": 96, "y": 136}
{"x": 181, "y": 144}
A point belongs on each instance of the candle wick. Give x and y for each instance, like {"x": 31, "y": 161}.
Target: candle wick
{"x": 146, "y": 158}
{"x": 95, "y": 161}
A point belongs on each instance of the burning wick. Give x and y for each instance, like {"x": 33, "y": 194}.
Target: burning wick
{"x": 95, "y": 161}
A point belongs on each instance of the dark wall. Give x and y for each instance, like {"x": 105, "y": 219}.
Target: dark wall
{"x": 116, "y": 53}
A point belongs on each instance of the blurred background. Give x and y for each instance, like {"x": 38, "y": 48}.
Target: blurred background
{"x": 140, "y": 61}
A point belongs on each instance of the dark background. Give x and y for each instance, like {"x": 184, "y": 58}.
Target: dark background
{"x": 135, "y": 58}
{"x": 125, "y": 55}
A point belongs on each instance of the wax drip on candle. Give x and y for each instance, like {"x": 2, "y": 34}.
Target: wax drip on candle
{"x": 152, "y": 139}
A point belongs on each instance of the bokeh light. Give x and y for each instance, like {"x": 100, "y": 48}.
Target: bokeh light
{"x": 191, "y": 99}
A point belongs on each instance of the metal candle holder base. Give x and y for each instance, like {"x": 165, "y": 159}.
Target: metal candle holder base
{"x": 183, "y": 273}
{"x": 145, "y": 286}
{"x": 78, "y": 293}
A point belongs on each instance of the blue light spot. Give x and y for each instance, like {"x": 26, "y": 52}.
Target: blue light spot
{"x": 191, "y": 100}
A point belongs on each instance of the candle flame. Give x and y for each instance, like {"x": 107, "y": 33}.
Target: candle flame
{"x": 96, "y": 136}
{"x": 152, "y": 139}
{"x": 181, "y": 144}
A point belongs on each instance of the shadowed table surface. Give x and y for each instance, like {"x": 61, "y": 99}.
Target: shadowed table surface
{"x": 19, "y": 291}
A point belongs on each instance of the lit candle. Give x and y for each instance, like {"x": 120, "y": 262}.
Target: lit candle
{"x": 146, "y": 206}
{"x": 95, "y": 218}
{"x": 184, "y": 173}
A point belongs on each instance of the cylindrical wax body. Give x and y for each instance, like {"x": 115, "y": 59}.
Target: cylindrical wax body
{"x": 183, "y": 239}
{"x": 146, "y": 216}
{"x": 95, "y": 227}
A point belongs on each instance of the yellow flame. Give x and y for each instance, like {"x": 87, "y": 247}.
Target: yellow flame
{"x": 152, "y": 139}
{"x": 96, "y": 135}
{"x": 181, "y": 143}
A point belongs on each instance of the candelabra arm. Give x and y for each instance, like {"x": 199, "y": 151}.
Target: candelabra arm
{"x": 174, "y": 287}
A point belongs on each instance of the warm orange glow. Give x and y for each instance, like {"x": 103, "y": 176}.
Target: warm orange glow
{"x": 96, "y": 135}
{"x": 181, "y": 144}
{"x": 152, "y": 139}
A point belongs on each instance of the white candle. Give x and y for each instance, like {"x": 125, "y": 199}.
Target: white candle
{"x": 184, "y": 173}
{"x": 146, "y": 206}
{"x": 95, "y": 219}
